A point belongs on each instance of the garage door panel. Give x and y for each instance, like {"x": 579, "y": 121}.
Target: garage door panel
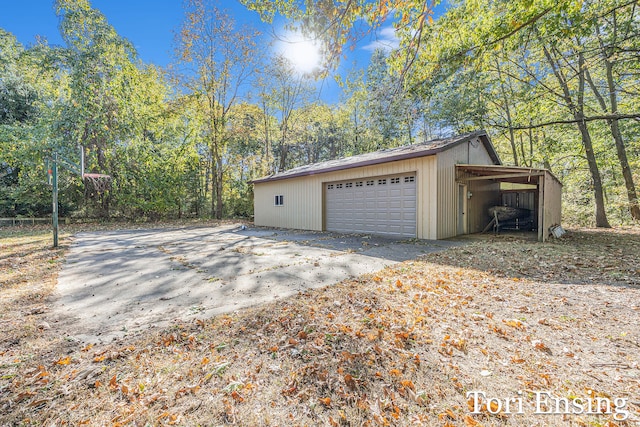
{"x": 376, "y": 205}
{"x": 395, "y": 216}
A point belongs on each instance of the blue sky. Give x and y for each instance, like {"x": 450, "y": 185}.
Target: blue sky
{"x": 151, "y": 24}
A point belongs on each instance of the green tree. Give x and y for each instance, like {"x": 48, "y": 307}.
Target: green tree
{"x": 616, "y": 38}
{"x": 531, "y": 70}
{"x": 289, "y": 91}
{"x": 17, "y": 96}
{"x": 25, "y": 91}
{"x": 247, "y": 153}
{"x": 384, "y": 101}
{"x": 219, "y": 61}
{"x": 100, "y": 64}
{"x": 336, "y": 23}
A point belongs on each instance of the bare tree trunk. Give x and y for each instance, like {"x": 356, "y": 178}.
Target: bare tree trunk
{"x": 613, "y": 123}
{"x": 507, "y": 110}
{"x": 409, "y": 128}
{"x": 284, "y": 150}
{"x": 577, "y": 110}
{"x": 214, "y": 181}
{"x": 601, "y": 215}
{"x": 267, "y": 143}
{"x": 219, "y": 189}
{"x": 632, "y": 195}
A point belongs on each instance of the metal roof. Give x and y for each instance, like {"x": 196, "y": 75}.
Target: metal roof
{"x": 514, "y": 174}
{"x": 428, "y": 148}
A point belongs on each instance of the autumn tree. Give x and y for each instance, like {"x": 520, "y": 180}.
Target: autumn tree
{"x": 614, "y": 38}
{"x": 532, "y": 66}
{"x": 288, "y": 91}
{"x": 247, "y": 151}
{"x": 335, "y": 24}
{"x": 218, "y": 60}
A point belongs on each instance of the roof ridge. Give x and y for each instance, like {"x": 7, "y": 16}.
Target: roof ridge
{"x": 384, "y": 155}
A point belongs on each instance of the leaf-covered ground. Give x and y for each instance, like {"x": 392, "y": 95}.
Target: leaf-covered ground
{"x": 502, "y": 316}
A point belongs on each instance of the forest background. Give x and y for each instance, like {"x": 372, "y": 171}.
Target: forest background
{"x": 554, "y": 83}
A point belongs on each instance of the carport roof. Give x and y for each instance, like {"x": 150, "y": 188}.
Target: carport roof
{"x": 513, "y": 174}
{"x": 384, "y": 156}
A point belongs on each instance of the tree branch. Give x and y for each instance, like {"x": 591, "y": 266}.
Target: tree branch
{"x": 572, "y": 121}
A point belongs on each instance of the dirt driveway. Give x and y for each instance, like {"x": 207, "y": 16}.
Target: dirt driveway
{"x": 120, "y": 282}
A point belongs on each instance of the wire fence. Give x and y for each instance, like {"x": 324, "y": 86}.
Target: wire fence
{"x": 20, "y": 221}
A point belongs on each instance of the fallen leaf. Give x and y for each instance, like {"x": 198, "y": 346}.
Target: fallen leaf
{"x": 471, "y": 404}
{"x": 514, "y": 323}
{"x": 349, "y": 381}
{"x": 64, "y": 361}
{"x": 408, "y": 384}
{"x": 470, "y": 422}
{"x": 540, "y": 346}
{"x": 448, "y": 413}
{"x": 25, "y": 395}
{"x": 113, "y": 382}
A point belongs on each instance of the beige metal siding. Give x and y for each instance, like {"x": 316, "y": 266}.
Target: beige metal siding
{"x": 478, "y": 153}
{"x": 447, "y": 212}
{"x": 302, "y": 208}
{"x": 303, "y": 196}
{"x": 552, "y": 204}
{"x": 483, "y": 194}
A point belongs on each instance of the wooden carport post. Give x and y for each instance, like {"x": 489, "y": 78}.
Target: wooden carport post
{"x": 542, "y": 236}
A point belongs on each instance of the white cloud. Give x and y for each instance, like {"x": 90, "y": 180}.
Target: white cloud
{"x": 385, "y": 39}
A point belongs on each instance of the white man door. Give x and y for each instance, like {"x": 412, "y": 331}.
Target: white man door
{"x": 381, "y": 205}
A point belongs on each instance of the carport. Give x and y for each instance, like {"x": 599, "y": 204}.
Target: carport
{"x": 536, "y": 190}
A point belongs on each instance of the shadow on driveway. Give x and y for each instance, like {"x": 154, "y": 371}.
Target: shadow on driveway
{"x": 121, "y": 282}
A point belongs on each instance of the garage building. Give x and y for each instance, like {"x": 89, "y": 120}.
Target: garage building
{"x": 433, "y": 190}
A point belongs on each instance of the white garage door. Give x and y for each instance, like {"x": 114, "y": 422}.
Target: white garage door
{"x": 384, "y": 205}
